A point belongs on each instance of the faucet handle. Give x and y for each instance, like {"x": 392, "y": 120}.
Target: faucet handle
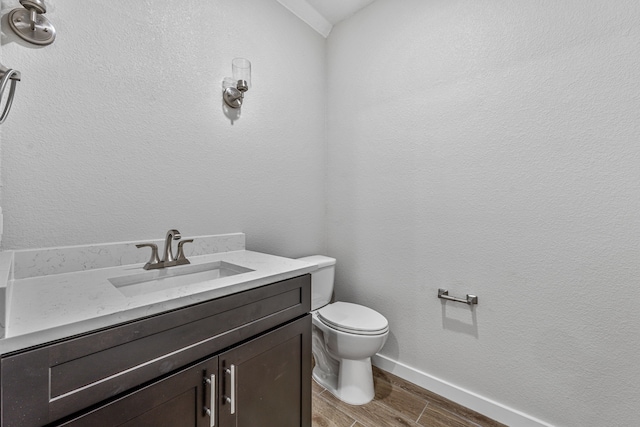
{"x": 154, "y": 260}
{"x": 182, "y": 259}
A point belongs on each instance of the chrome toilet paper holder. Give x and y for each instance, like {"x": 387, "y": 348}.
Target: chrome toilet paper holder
{"x": 444, "y": 294}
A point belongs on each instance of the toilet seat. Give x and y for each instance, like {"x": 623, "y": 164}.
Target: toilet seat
{"x": 353, "y": 319}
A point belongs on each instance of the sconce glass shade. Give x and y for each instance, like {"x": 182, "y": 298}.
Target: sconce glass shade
{"x": 235, "y": 87}
{"x": 241, "y": 69}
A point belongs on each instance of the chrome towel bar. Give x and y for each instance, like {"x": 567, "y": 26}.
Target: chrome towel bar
{"x": 444, "y": 294}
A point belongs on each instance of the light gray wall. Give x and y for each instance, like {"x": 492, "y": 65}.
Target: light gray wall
{"x": 492, "y": 148}
{"x": 118, "y": 133}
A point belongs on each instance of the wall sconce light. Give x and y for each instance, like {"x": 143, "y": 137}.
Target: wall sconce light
{"x": 30, "y": 24}
{"x": 233, "y": 94}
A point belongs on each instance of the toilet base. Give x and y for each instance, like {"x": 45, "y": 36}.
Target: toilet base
{"x": 353, "y": 384}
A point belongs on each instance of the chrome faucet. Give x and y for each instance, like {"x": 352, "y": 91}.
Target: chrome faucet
{"x": 168, "y": 260}
{"x": 172, "y": 234}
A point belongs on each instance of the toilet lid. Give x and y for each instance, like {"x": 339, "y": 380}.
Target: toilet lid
{"x": 353, "y": 318}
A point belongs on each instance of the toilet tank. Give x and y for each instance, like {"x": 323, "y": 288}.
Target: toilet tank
{"x": 321, "y": 279}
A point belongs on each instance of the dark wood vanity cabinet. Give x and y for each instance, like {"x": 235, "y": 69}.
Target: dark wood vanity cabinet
{"x": 243, "y": 360}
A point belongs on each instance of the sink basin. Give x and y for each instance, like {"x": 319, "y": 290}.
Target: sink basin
{"x": 173, "y": 277}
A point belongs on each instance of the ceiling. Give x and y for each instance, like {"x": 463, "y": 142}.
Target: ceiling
{"x": 335, "y": 11}
{"x": 322, "y": 15}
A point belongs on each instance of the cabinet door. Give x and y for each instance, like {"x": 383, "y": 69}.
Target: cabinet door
{"x": 266, "y": 382}
{"x": 182, "y": 399}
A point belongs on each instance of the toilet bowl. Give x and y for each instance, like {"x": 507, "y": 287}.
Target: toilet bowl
{"x": 345, "y": 336}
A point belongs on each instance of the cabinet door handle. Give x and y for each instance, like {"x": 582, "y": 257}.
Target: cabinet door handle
{"x": 231, "y": 399}
{"x": 211, "y": 411}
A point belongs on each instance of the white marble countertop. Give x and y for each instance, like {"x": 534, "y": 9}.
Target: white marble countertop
{"x": 52, "y": 307}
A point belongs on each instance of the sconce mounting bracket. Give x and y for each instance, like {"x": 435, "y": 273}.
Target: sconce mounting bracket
{"x": 234, "y": 96}
{"x": 39, "y": 31}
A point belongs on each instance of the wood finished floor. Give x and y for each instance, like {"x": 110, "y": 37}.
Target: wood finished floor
{"x": 397, "y": 403}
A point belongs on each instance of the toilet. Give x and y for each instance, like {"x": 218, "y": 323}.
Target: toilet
{"x": 345, "y": 336}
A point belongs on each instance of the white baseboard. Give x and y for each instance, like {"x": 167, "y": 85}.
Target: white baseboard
{"x": 473, "y": 401}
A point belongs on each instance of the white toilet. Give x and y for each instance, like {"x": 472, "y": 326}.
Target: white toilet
{"x": 345, "y": 336}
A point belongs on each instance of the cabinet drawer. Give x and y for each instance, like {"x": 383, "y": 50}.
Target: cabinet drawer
{"x": 45, "y": 384}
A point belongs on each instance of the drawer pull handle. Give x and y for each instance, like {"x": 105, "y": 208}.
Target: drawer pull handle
{"x": 231, "y": 399}
{"x": 212, "y": 400}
